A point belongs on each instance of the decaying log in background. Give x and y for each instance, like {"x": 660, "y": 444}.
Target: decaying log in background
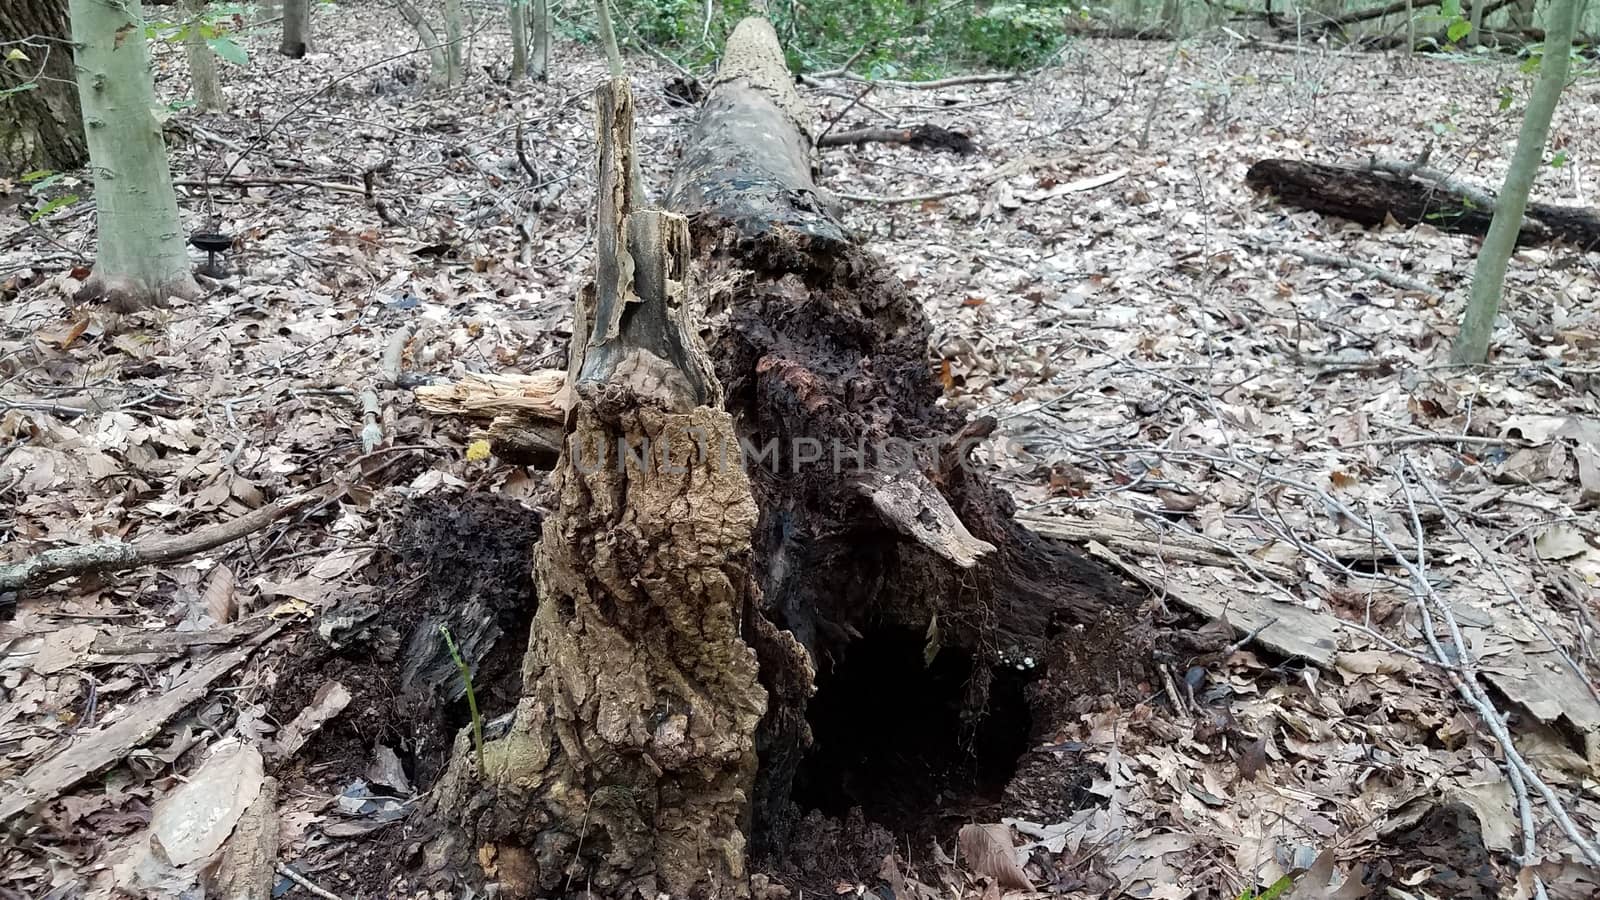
{"x": 920, "y": 137}
{"x": 1371, "y": 196}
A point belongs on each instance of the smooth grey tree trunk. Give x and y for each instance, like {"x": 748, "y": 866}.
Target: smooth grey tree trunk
{"x": 438, "y": 67}
{"x": 202, "y": 62}
{"x": 455, "y": 36}
{"x": 608, "y": 38}
{"x": 1489, "y": 276}
{"x": 40, "y": 127}
{"x": 142, "y": 257}
{"x": 296, "y": 28}
{"x": 517, "y": 17}
{"x": 539, "y": 40}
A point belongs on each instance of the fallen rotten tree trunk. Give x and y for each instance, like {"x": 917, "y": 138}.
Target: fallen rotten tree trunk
{"x": 736, "y": 521}
{"x": 824, "y": 355}
{"x": 1372, "y": 196}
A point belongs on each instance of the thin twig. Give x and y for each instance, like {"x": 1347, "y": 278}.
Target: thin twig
{"x": 306, "y": 883}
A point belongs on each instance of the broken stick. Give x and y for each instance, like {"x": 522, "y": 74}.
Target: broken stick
{"x": 115, "y": 556}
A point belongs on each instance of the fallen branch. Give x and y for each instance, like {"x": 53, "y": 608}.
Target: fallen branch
{"x": 113, "y": 556}
{"x": 308, "y": 884}
{"x": 938, "y": 83}
{"x": 1337, "y": 261}
{"x": 249, "y": 181}
{"x": 920, "y": 137}
{"x": 1412, "y": 195}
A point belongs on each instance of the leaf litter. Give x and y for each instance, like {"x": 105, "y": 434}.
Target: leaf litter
{"x": 1371, "y": 549}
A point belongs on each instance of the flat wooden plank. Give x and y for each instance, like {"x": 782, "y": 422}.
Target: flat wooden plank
{"x": 1287, "y": 629}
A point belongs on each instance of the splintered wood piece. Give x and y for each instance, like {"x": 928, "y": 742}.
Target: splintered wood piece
{"x": 537, "y": 394}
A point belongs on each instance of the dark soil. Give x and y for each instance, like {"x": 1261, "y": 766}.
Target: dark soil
{"x": 463, "y": 561}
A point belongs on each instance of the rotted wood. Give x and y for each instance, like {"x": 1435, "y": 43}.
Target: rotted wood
{"x": 1371, "y": 197}
{"x": 918, "y": 137}
{"x": 627, "y": 766}
{"x": 823, "y": 351}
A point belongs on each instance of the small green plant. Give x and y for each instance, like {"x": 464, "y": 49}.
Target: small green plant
{"x": 472, "y": 698}
{"x": 1272, "y": 892}
{"x": 39, "y": 184}
{"x": 213, "y": 27}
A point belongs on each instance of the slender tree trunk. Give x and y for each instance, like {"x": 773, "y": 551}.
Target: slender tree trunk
{"x": 40, "y": 127}
{"x": 202, "y": 62}
{"x": 455, "y": 36}
{"x": 608, "y": 37}
{"x": 1488, "y": 278}
{"x": 141, "y": 257}
{"x": 438, "y": 65}
{"x": 539, "y": 40}
{"x": 296, "y": 28}
{"x": 1475, "y": 37}
{"x": 517, "y": 17}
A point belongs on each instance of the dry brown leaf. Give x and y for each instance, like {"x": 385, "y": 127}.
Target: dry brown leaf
{"x": 220, "y": 597}
{"x": 1317, "y": 882}
{"x": 988, "y": 851}
{"x": 1254, "y": 757}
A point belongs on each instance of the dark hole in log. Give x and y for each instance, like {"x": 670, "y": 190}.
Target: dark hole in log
{"x": 889, "y": 737}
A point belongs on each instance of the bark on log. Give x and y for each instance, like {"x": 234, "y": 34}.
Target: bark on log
{"x": 628, "y": 764}
{"x": 821, "y": 348}
{"x": 1371, "y": 197}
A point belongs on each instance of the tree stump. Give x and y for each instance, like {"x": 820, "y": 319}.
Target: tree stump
{"x": 628, "y": 764}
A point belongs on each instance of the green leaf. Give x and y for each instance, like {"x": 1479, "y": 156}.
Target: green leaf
{"x": 1278, "y": 888}
{"x": 1458, "y": 29}
{"x": 36, "y": 175}
{"x": 18, "y": 89}
{"x": 15, "y": 55}
{"x": 1451, "y": 9}
{"x": 52, "y": 206}
{"x": 1559, "y": 160}
{"x": 229, "y": 51}
{"x": 44, "y": 183}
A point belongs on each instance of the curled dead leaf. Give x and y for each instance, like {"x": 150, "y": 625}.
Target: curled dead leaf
{"x": 988, "y": 851}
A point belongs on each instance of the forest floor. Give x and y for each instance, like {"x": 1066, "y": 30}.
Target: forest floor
{"x": 1252, "y": 436}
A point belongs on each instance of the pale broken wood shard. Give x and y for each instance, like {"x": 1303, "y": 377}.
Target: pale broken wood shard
{"x": 249, "y": 861}
{"x": 538, "y": 394}
{"x": 919, "y": 512}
